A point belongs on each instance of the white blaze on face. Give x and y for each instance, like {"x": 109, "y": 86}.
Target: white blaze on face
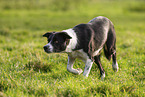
{"x": 50, "y": 47}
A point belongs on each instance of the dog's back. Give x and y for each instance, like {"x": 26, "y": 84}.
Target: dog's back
{"x": 104, "y": 29}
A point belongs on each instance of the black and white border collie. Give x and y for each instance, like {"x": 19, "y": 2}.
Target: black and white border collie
{"x": 85, "y": 42}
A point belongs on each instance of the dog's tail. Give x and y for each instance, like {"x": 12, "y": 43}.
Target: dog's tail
{"x": 110, "y": 45}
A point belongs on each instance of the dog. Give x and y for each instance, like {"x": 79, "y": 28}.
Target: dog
{"x": 85, "y": 41}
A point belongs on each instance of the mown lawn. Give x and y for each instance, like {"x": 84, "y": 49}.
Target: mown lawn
{"x": 26, "y": 70}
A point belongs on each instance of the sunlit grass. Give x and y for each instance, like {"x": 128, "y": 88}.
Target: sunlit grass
{"x": 26, "y": 70}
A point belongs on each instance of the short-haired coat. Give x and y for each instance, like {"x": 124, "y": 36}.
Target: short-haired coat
{"x": 85, "y": 42}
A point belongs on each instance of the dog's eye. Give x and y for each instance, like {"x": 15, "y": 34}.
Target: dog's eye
{"x": 56, "y": 41}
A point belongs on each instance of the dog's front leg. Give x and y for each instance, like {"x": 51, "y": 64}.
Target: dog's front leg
{"x": 88, "y": 67}
{"x": 70, "y": 66}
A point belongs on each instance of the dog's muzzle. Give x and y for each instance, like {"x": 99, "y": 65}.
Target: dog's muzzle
{"x": 47, "y": 49}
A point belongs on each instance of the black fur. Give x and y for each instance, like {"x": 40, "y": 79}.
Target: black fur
{"x": 91, "y": 38}
{"x": 97, "y": 34}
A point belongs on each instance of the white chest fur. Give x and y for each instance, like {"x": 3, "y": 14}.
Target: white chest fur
{"x": 80, "y": 54}
{"x": 84, "y": 57}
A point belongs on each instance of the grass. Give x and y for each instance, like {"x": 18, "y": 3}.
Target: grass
{"x": 26, "y": 70}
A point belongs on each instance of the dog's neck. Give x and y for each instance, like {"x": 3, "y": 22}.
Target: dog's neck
{"x": 73, "y": 42}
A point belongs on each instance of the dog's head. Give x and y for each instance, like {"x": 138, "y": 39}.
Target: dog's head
{"x": 57, "y": 41}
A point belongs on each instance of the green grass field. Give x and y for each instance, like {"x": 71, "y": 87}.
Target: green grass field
{"x": 27, "y": 71}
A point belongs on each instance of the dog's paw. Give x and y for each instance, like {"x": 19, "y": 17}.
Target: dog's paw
{"x": 103, "y": 76}
{"x": 115, "y": 67}
{"x": 79, "y": 71}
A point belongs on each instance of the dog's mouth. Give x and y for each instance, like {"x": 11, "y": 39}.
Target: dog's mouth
{"x": 47, "y": 49}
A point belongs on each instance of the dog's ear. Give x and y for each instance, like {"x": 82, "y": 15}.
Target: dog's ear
{"x": 65, "y": 35}
{"x": 47, "y": 34}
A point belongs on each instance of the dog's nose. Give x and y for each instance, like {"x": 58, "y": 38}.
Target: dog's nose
{"x": 45, "y": 47}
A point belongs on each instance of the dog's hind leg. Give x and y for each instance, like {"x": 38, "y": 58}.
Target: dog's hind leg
{"x": 70, "y": 66}
{"x": 98, "y": 62}
{"x": 114, "y": 62}
{"x": 111, "y": 53}
{"x": 110, "y": 48}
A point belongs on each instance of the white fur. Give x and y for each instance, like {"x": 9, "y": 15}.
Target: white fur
{"x": 50, "y": 46}
{"x": 102, "y": 76}
{"x": 115, "y": 66}
{"x": 96, "y": 52}
{"x": 83, "y": 56}
{"x": 73, "y": 41}
{"x": 70, "y": 66}
{"x": 80, "y": 54}
{"x": 88, "y": 67}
